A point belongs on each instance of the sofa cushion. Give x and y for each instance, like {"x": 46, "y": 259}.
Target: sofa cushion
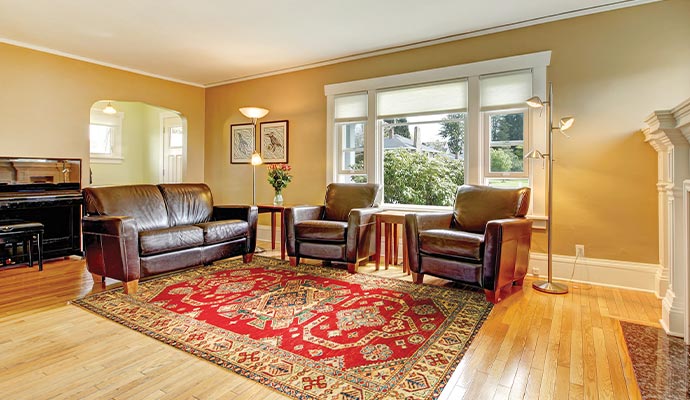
{"x": 452, "y": 243}
{"x": 476, "y": 205}
{"x": 320, "y": 230}
{"x": 343, "y": 197}
{"x": 187, "y": 203}
{"x": 144, "y": 203}
{"x": 222, "y": 231}
{"x": 169, "y": 239}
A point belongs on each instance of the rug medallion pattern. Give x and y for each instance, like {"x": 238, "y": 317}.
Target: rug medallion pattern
{"x": 309, "y": 332}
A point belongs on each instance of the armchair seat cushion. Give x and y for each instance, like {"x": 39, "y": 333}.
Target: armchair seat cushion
{"x": 169, "y": 239}
{"x": 321, "y": 230}
{"x": 454, "y": 243}
{"x": 222, "y": 231}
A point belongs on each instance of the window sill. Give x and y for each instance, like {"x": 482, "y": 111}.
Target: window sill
{"x": 106, "y": 160}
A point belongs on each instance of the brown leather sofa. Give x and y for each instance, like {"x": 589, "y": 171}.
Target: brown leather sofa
{"x": 135, "y": 231}
{"x": 484, "y": 241}
{"x": 340, "y": 231}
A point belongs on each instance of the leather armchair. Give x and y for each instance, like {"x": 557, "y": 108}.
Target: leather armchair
{"x": 484, "y": 241}
{"x": 340, "y": 231}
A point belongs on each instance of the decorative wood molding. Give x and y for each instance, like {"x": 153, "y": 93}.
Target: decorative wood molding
{"x": 668, "y": 132}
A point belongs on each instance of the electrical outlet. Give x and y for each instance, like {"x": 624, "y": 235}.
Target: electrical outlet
{"x": 535, "y": 271}
{"x": 580, "y": 250}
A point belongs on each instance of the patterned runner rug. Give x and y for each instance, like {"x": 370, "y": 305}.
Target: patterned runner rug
{"x": 660, "y": 362}
{"x": 309, "y": 332}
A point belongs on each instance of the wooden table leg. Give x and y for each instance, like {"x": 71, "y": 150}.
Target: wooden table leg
{"x": 395, "y": 244}
{"x": 388, "y": 245}
{"x": 273, "y": 230}
{"x": 405, "y": 263}
{"x": 282, "y": 234}
{"x": 378, "y": 242}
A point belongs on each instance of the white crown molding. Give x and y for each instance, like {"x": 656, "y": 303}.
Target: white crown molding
{"x": 451, "y": 38}
{"x": 97, "y": 62}
{"x": 394, "y": 49}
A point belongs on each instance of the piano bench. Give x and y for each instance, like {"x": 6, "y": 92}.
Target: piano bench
{"x": 25, "y": 232}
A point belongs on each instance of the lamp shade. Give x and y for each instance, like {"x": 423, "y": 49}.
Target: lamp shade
{"x": 256, "y": 159}
{"x": 254, "y": 112}
{"x": 566, "y": 122}
{"x": 535, "y": 102}
{"x": 109, "y": 109}
{"x": 535, "y": 155}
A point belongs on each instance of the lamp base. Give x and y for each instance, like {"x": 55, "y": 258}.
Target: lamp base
{"x": 550, "y": 287}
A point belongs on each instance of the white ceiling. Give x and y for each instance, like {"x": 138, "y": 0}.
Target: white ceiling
{"x": 206, "y": 42}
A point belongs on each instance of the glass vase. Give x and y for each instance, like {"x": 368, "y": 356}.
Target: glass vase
{"x": 278, "y": 199}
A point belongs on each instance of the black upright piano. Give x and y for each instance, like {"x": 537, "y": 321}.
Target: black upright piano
{"x": 46, "y": 191}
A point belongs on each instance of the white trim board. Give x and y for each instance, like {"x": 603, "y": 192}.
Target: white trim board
{"x": 596, "y": 271}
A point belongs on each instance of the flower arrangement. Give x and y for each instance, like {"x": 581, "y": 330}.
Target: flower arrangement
{"x": 279, "y": 176}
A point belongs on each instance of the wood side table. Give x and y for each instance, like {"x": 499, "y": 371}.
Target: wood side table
{"x": 275, "y": 209}
{"x": 391, "y": 220}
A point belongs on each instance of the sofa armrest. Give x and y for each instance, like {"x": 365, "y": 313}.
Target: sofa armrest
{"x": 506, "y": 251}
{"x": 111, "y": 244}
{"x": 360, "y": 233}
{"x": 241, "y": 212}
{"x": 417, "y": 222}
{"x": 294, "y": 215}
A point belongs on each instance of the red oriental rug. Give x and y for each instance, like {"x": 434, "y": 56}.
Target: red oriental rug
{"x": 309, "y": 332}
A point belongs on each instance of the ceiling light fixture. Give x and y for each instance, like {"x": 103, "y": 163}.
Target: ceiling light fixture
{"x": 109, "y": 109}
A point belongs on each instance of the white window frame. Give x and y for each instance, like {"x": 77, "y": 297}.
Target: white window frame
{"x": 474, "y": 146}
{"x": 114, "y": 121}
{"x": 486, "y": 133}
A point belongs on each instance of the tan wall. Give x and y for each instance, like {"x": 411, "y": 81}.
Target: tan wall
{"x": 45, "y": 102}
{"x": 610, "y": 70}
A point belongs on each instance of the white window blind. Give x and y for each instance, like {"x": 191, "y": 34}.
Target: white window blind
{"x": 437, "y": 98}
{"x": 351, "y": 106}
{"x": 509, "y": 89}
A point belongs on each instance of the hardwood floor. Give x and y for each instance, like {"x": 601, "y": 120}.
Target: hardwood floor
{"x": 532, "y": 346}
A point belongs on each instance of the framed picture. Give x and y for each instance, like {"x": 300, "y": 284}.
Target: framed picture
{"x": 273, "y": 139}
{"x": 242, "y": 141}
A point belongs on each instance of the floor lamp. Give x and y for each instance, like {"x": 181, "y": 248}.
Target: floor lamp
{"x": 549, "y": 286}
{"x": 254, "y": 113}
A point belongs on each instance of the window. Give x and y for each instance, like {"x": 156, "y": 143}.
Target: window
{"x": 350, "y": 125}
{"x": 424, "y": 133}
{"x": 105, "y": 136}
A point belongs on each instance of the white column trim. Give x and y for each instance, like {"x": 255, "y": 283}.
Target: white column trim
{"x": 668, "y": 132}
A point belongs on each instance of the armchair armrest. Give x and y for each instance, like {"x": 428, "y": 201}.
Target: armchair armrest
{"x": 418, "y": 222}
{"x": 506, "y": 251}
{"x": 360, "y": 231}
{"x": 111, "y": 244}
{"x": 241, "y": 212}
{"x": 294, "y": 215}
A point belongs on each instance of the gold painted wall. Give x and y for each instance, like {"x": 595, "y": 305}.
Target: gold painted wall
{"x": 45, "y": 102}
{"x": 610, "y": 70}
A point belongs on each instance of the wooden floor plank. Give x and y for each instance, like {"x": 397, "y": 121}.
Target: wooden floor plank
{"x": 532, "y": 344}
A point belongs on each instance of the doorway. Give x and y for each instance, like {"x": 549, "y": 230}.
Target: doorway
{"x": 134, "y": 143}
{"x": 173, "y": 148}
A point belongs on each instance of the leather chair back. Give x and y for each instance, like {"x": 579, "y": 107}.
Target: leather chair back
{"x": 476, "y": 205}
{"x": 143, "y": 202}
{"x": 187, "y": 203}
{"x": 343, "y": 197}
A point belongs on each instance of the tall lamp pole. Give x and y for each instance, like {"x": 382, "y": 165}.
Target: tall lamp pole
{"x": 254, "y": 113}
{"x": 549, "y": 286}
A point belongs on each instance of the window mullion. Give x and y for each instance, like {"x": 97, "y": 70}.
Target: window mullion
{"x": 473, "y": 142}
{"x": 373, "y": 151}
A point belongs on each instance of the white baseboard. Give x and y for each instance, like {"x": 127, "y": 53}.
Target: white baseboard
{"x": 596, "y": 271}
